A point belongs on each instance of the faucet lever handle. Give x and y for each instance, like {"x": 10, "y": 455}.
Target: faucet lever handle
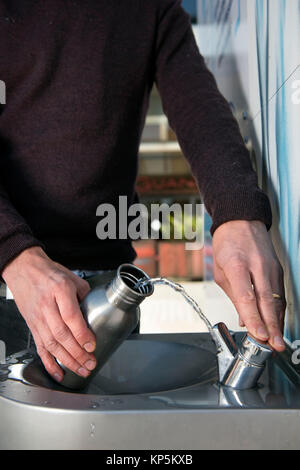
{"x": 224, "y": 338}
{"x": 226, "y": 348}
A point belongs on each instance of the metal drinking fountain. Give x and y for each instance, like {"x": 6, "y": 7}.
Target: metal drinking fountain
{"x": 112, "y": 312}
{"x": 239, "y": 368}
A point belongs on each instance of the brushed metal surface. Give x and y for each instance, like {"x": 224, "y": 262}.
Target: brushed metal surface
{"x": 196, "y": 414}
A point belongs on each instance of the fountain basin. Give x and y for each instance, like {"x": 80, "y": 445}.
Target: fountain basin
{"x": 155, "y": 392}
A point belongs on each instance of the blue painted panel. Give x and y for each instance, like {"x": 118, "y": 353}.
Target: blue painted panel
{"x": 278, "y": 59}
{"x": 191, "y": 7}
{"x": 253, "y": 49}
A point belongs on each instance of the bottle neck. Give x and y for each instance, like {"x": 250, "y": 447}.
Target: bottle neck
{"x": 122, "y": 292}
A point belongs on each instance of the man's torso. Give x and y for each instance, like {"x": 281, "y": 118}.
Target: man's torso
{"x": 78, "y": 76}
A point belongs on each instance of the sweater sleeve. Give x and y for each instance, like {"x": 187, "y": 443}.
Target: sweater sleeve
{"x": 205, "y": 127}
{"x": 15, "y": 234}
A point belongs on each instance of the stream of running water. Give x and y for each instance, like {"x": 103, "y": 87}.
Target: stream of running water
{"x": 178, "y": 288}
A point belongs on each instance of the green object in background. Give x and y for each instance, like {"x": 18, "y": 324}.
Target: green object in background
{"x": 175, "y": 229}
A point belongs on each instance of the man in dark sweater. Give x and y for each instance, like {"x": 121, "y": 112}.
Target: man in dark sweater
{"x": 78, "y": 76}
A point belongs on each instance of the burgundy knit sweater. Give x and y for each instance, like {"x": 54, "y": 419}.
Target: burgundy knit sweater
{"x": 78, "y": 75}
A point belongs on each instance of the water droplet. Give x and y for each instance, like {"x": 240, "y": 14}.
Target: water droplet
{"x": 93, "y": 427}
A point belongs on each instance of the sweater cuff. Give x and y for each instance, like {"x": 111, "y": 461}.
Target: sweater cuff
{"x": 14, "y": 245}
{"x": 243, "y": 205}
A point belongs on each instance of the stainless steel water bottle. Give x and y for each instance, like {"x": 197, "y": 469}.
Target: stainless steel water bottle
{"x": 112, "y": 312}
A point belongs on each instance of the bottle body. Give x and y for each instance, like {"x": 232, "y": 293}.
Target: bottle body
{"x": 112, "y": 312}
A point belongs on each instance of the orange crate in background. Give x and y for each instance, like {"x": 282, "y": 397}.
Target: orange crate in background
{"x": 146, "y": 256}
{"x": 169, "y": 259}
{"x": 177, "y": 262}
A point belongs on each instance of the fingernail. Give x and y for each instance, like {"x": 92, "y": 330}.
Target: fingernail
{"x": 278, "y": 341}
{"x": 90, "y": 365}
{"x": 83, "y": 372}
{"x": 89, "y": 347}
{"x": 262, "y": 333}
{"x": 58, "y": 377}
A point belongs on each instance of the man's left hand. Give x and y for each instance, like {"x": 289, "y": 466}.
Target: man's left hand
{"x": 247, "y": 269}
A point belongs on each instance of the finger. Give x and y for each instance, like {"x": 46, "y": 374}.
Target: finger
{"x": 50, "y": 364}
{"x": 82, "y": 285}
{"x": 225, "y": 285}
{"x": 72, "y": 316}
{"x": 277, "y": 283}
{"x": 282, "y": 320}
{"x": 280, "y": 307}
{"x": 267, "y": 308}
{"x": 47, "y": 359}
{"x": 59, "y": 341}
{"x": 57, "y": 351}
{"x": 244, "y": 300}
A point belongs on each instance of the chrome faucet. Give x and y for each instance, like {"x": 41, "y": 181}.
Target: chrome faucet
{"x": 239, "y": 368}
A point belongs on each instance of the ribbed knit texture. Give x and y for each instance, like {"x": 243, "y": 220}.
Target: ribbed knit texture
{"x": 78, "y": 76}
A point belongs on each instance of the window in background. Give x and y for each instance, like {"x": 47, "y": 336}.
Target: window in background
{"x": 165, "y": 177}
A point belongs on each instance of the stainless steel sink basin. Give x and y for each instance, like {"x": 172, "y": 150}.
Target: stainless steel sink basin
{"x": 141, "y": 366}
{"x": 156, "y": 392}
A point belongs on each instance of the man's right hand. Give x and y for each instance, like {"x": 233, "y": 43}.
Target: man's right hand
{"x": 48, "y": 295}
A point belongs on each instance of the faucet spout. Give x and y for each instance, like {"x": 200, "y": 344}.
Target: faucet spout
{"x": 239, "y": 368}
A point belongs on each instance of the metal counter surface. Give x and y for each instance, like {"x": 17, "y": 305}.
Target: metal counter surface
{"x": 195, "y": 414}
